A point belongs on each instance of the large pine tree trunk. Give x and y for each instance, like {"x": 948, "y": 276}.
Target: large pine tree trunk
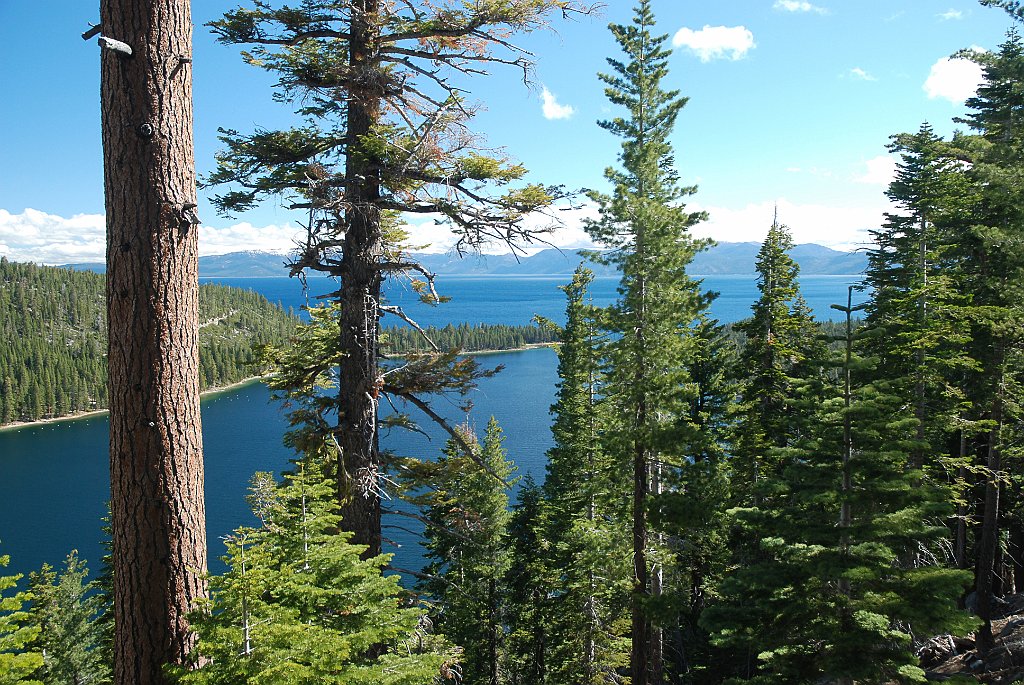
{"x": 156, "y": 457}
{"x": 359, "y": 298}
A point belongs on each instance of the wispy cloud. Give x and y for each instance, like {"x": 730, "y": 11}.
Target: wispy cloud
{"x": 880, "y": 170}
{"x": 836, "y": 226}
{"x": 552, "y": 109}
{"x": 953, "y": 79}
{"x": 35, "y": 236}
{"x": 798, "y": 6}
{"x": 716, "y": 42}
{"x": 862, "y": 75}
{"x": 950, "y": 14}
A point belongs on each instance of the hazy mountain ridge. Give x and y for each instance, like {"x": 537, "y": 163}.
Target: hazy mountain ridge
{"x": 723, "y": 259}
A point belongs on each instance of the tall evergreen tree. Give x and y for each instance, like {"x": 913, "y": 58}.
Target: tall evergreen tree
{"x": 386, "y": 132}
{"x": 994, "y": 246}
{"x": 467, "y": 545}
{"x": 918, "y": 323}
{"x": 527, "y": 586}
{"x": 782, "y": 345}
{"x": 583, "y": 526}
{"x": 644, "y": 223}
{"x": 65, "y": 608}
{"x": 691, "y": 511}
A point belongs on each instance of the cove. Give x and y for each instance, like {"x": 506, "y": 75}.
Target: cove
{"x": 55, "y": 479}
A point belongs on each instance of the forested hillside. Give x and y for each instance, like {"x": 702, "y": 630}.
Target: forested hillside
{"x": 53, "y": 339}
{"x": 470, "y": 337}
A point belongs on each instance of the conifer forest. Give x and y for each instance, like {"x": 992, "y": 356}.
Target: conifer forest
{"x": 778, "y": 501}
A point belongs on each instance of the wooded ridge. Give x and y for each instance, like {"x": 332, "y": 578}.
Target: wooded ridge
{"x": 53, "y": 339}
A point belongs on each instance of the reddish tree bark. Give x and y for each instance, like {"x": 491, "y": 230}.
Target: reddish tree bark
{"x": 156, "y": 457}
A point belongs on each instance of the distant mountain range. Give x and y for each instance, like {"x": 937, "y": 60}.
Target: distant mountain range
{"x": 723, "y": 259}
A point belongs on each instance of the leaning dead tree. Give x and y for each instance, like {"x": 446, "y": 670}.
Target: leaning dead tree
{"x": 156, "y": 457}
{"x": 386, "y": 133}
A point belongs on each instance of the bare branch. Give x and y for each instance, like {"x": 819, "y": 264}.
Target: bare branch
{"x": 426, "y": 521}
{"x": 397, "y": 311}
{"x": 455, "y": 435}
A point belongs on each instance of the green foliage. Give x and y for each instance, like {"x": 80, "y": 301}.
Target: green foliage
{"x": 298, "y": 604}
{"x": 305, "y": 373}
{"x": 663, "y": 355}
{"x": 828, "y": 601}
{"x": 466, "y": 337}
{"x": 468, "y": 518}
{"x": 65, "y": 609}
{"x": 582, "y": 571}
{"x": 782, "y": 345}
{"x": 411, "y": 119}
{"x": 18, "y": 661}
{"x": 526, "y": 588}
{"x": 53, "y": 339}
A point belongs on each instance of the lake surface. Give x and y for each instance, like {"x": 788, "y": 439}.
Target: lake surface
{"x": 486, "y": 299}
{"x": 54, "y": 477}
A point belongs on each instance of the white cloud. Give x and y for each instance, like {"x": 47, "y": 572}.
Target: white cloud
{"x": 798, "y": 6}
{"x": 859, "y": 73}
{"x": 50, "y": 239}
{"x": 716, "y": 42}
{"x": 551, "y": 107}
{"x": 953, "y": 79}
{"x": 245, "y": 236}
{"x": 838, "y": 227}
{"x": 950, "y": 14}
{"x": 565, "y": 230}
{"x": 880, "y": 170}
{"x": 35, "y": 236}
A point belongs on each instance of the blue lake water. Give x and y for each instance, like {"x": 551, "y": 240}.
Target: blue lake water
{"x": 54, "y": 477}
{"x": 483, "y": 299}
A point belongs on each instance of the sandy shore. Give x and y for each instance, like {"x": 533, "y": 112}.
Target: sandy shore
{"x": 210, "y": 392}
{"x": 524, "y": 348}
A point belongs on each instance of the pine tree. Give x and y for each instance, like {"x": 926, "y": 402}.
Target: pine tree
{"x": 829, "y": 599}
{"x": 691, "y": 511}
{"x": 18, "y": 661}
{"x": 918, "y": 319}
{"x": 584, "y": 527}
{"x": 994, "y": 277}
{"x": 466, "y": 541}
{"x": 386, "y": 132}
{"x": 65, "y": 608}
{"x": 298, "y": 604}
{"x": 529, "y": 614}
{"x": 644, "y": 223}
{"x": 782, "y": 345}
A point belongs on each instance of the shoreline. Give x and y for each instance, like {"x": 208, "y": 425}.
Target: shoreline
{"x": 523, "y": 348}
{"x": 221, "y": 389}
{"x": 79, "y": 416}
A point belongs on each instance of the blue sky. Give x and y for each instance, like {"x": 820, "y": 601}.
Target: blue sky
{"x": 791, "y": 104}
